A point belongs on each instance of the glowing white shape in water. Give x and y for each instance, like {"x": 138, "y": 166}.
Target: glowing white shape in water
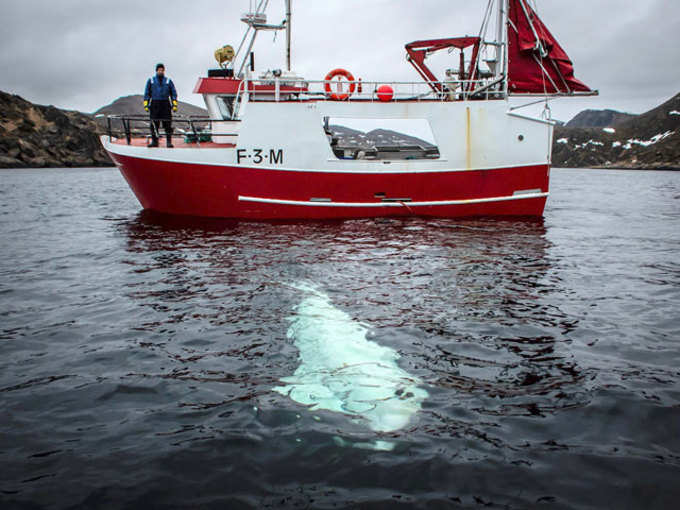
{"x": 341, "y": 371}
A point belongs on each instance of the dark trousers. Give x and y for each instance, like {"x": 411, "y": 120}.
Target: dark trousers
{"x": 160, "y": 112}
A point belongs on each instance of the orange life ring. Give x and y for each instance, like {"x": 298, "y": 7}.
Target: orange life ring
{"x": 338, "y": 96}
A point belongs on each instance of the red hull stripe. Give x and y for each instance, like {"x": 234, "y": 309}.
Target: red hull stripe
{"x": 394, "y": 203}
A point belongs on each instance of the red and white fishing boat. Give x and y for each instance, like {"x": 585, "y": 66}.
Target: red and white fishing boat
{"x": 270, "y": 149}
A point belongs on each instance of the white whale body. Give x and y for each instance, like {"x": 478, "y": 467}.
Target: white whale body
{"x": 342, "y": 371}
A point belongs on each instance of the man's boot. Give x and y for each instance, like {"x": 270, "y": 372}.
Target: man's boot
{"x": 169, "y": 142}
{"x": 154, "y": 142}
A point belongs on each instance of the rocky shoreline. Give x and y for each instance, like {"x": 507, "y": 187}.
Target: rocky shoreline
{"x": 650, "y": 141}
{"x": 36, "y": 136}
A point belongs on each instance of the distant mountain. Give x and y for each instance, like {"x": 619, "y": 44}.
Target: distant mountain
{"x": 647, "y": 141}
{"x": 345, "y": 132}
{"x": 599, "y": 119}
{"x": 388, "y": 137}
{"x": 134, "y": 105}
{"x": 352, "y": 138}
{"x": 34, "y": 136}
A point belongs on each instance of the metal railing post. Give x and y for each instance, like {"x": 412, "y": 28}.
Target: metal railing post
{"x": 193, "y": 130}
{"x": 126, "y": 128}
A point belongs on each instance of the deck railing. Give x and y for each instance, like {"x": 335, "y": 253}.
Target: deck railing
{"x": 199, "y": 129}
{"x": 194, "y": 128}
{"x": 283, "y": 89}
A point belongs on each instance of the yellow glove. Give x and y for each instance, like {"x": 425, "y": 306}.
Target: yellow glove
{"x": 174, "y": 105}
{"x": 146, "y": 106}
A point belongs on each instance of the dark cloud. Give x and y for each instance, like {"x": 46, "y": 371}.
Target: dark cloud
{"x": 83, "y": 54}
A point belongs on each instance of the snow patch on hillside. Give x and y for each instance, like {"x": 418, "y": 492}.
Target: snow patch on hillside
{"x": 647, "y": 143}
{"x": 586, "y": 144}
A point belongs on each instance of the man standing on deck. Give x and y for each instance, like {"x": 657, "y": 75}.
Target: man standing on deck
{"x": 159, "y": 92}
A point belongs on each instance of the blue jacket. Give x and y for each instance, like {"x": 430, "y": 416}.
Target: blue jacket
{"x": 158, "y": 90}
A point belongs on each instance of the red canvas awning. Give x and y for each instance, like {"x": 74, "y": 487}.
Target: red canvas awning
{"x": 536, "y": 61}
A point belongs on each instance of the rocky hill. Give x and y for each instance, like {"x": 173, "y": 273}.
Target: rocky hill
{"x": 134, "y": 105}
{"x": 35, "y": 136}
{"x": 375, "y": 138}
{"x": 647, "y": 141}
{"x": 599, "y": 118}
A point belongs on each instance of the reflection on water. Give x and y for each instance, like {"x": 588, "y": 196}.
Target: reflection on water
{"x": 466, "y": 303}
{"x": 342, "y": 371}
{"x": 140, "y": 355}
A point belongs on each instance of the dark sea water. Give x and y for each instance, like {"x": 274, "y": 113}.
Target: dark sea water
{"x": 138, "y": 354}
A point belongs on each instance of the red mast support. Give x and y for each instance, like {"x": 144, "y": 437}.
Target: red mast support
{"x": 419, "y": 50}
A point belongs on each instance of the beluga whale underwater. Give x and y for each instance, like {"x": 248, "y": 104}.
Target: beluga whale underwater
{"x": 342, "y": 371}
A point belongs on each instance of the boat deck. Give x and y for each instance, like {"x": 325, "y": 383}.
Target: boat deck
{"x": 178, "y": 141}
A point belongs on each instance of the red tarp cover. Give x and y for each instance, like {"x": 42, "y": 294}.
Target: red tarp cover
{"x": 524, "y": 60}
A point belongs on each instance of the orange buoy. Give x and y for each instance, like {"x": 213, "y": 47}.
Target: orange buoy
{"x": 385, "y": 93}
{"x": 339, "y": 96}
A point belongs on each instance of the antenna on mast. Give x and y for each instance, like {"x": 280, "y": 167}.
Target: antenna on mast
{"x": 288, "y": 28}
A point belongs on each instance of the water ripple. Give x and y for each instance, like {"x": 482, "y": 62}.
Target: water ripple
{"x": 138, "y": 352}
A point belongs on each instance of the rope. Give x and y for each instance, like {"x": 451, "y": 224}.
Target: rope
{"x": 407, "y": 207}
{"x": 546, "y": 113}
{"x": 539, "y": 46}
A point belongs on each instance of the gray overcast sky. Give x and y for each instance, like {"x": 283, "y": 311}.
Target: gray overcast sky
{"x": 83, "y": 54}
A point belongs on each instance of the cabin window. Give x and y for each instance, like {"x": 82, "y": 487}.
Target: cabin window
{"x": 226, "y": 106}
{"x": 383, "y": 139}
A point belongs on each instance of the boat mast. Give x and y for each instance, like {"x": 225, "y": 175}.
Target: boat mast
{"x": 502, "y": 43}
{"x": 499, "y": 39}
{"x": 288, "y": 18}
{"x": 251, "y": 19}
{"x": 258, "y": 21}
